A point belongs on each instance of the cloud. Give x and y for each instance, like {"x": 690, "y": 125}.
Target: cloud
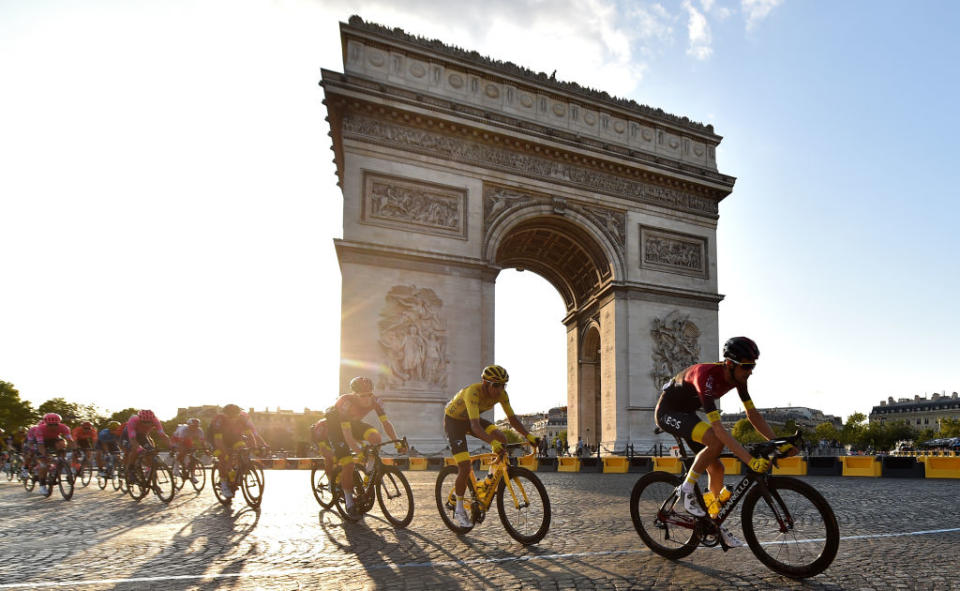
{"x": 757, "y": 10}
{"x": 698, "y": 30}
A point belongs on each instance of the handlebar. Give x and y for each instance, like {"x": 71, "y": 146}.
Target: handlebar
{"x": 770, "y": 449}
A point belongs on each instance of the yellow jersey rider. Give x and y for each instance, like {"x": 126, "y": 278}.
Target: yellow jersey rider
{"x": 697, "y": 388}
{"x": 462, "y": 417}
{"x": 345, "y": 427}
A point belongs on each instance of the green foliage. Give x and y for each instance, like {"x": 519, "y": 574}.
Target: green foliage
{"x": 950, "y": 428}
{"x": 13, "y": 411}
{"x": 123, "y": 415}
{"x": 512, "y": 436}
{"x": 744, "y": 432}
{"x": 72, "y": 413}
{"x": 826, "y": 432}
{"x": 853, "y": 430}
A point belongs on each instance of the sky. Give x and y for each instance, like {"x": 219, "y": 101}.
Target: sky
{"x": 168, "y": 202}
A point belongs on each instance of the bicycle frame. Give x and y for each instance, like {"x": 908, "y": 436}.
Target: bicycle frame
{"x": 499, "y": 469}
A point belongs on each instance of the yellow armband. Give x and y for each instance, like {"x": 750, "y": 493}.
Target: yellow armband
{"x": 491, "y": 429}
{"x": 748, "y": 404}
{"x": 383, "y": 418}
{"x": 714, "y": 416}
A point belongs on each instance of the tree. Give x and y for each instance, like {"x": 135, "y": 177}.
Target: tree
{"x": 826, "y": 432}
{"x": 950, "y": 428}
{"x": 744, "y": 432}
{"x": 123, "y": 415}
{"x": 13, "y": 411}
{"x": 852, "y": 431}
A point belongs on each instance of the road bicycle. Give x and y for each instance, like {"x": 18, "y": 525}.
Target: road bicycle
{"x": 788, "y": 525}
{"x": 13, "y": 465}
{"x": 59, "y": 474}
{"x": 191, "y": 470}
{"x": 82, "y": 466}
{"x": 247, "y": 475}
{"x": 522, "y": 500}
{"x": 150, "y": 473}
{"x": 110, "y": 473}
{"x": 382, "y": 482}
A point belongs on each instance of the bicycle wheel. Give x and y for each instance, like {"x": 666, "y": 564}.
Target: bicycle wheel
{"x": 251, "y": 483}
{"x": 116, "y": 478}
{"x": 446, "y": 499}
{"x": 29, "y": 482}
{"x": 669, "y": 533}
{"x": 395, "y": 497}
{"x": 86, "y": 471}
{"x": 322, "y": 490}
{"x": 178, "y": 472}
{"x": 161, "y": 482}
{"x": 359, "y": 475}
{"x": 216, "y": 478}
{"x": 102, "y": 479}
{"x": 524, "y": 506}
{"x": 197, "y": 474}
{"x": 65, "y": 479}
{"x": 137, "y": 482}
{"x": 793, "y": 531}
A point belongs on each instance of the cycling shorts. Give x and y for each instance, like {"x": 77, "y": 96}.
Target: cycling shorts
{"x": 85, "y": 444}
{"x": 108, "y": 445}
{"x": 358, "y": 429}
{"x": 687, "y": 425}
{"x": 457, "y": 430}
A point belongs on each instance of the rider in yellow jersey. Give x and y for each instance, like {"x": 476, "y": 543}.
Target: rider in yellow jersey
{"x": 462, "y": 416}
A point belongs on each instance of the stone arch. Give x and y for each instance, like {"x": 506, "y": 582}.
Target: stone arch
{"x": 589, "y": 413}
{"x": 566, "y": 249}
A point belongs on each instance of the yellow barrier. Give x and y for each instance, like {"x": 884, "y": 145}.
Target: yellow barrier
{"x": 731, "y": 466}
{"x": 568, "y": 464}
{"x": 668, "y": 464}
{"x": 616, "y": 465}
{"x": 792, "y": 466}
{"x": 860, "y": 466}
{"x": 305, "y": 464}
{"x": 529, "y": 462}
{"x": 418, "y": 463}
{"x": 389, "y": 461}
{"x": 945, "y": 467}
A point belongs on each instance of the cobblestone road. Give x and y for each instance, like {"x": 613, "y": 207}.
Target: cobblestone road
{"x": 897, "y": 534}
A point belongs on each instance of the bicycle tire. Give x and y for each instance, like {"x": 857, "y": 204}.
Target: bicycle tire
{"x": 251, "y": 484}
{"x": 216, "y": 477}
{"x": 198, "y": 472}
{"x": 514, "y": 517}
{"x": 136, "y": 486}
{"x": 65, "y": 480}
{"x": 322, "y": 488}
{"x": 161, "y": 482}
{"x": 398, "y": 506}
{"x": 101, "y": 481}
{"x": 446, "y": 480}
{"x": 808, "y": 509}
{"x": 86, "y": 471}
{"x": 29, "y": 482}
{"x": 651, "y": 492}
{"x": 358, "y": 495}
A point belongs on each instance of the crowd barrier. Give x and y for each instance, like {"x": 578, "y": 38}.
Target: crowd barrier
{"x": 887, "y": 466}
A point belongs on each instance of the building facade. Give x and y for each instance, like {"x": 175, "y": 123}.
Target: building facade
{"x": 807, "y": 418}
{"x": 919, "y": 412}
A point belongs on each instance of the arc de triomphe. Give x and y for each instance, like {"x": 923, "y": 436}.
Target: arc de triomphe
{"x": 453, "y": 167}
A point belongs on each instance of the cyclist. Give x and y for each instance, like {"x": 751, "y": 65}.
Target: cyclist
{"x": 29, "y": 451}
{"x": 697, "y": 388}
{"x": 84, "y": 438}
{"x": 320, "y": 437}
{"x": 52, "y": 434}
{"x": 346, "y": 427}
{"x": 228, "y": 430}
{"x": 136, "y": 436}
{"x": 108, "y": 440}
{"x": 185, "y": 439}
{"x": 462, "y": 417}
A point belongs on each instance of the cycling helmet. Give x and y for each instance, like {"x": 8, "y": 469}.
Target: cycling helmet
{"x": 193, "y": 422}
{"x": 361, "y": 385}
{"x": 113, "y": 425}
{"x": 51, "y": 418}
{"x": 495, "y": 374}
{"x": 740, "y": 349}
{"x": 146, "y": 415}
{"x": 86, "y": 425}
{"x": 231, "y": 410}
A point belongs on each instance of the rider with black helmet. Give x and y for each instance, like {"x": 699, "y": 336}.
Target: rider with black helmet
{"x": 697, "y": 388}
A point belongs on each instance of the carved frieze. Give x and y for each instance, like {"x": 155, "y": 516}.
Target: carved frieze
{"x": 413, "y": 205}
{"x": 673, "y": 252}
{"x": 461, "y": 149}
{"x": 413, "y": 337}
{"x": 676, "y": 345}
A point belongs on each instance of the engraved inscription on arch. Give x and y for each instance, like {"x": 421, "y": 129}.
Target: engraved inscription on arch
{"x": 673, "y": 252}
{"x": 416, "y": 206}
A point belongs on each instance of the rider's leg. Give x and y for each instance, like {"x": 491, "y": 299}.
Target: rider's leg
{"x": 707, "y": 459}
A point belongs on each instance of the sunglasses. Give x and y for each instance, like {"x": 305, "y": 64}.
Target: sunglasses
{"x": 747, "y": 365}
{"x": 496, "y": 385}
